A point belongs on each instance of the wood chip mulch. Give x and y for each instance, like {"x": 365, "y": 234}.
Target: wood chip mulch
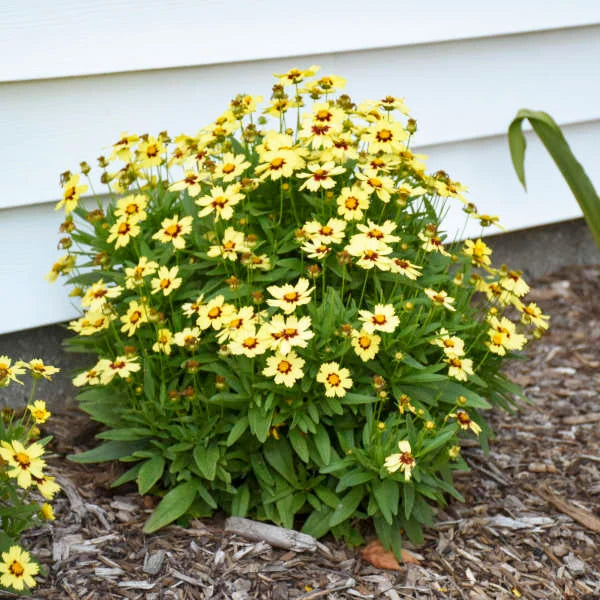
{"x": 530, "y": 527}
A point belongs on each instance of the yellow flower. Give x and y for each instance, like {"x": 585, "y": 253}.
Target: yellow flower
{"x": 91, "y": 323}
{"x": 287, "y": 297}
{"x": 286, "y": 369}
{"x": 383, "y": 318}
{"x": 385, "y": 136}
{"x": 478, "y": 251}
{"x": 352, "y": 202}
{"x": 284, "y": 333}
{"x": 381, "y": 233}
{"x": 327, "y": 83}
{"x": 150, "y": 153}
{"x": 249, "y": 343}
{"x": 46, "y": 486}
{"x": 17, "y": 569}
{"x": 390, "y": 103}
{"x": 231, "y": 166}
{"x": 220, "y": 201}
{"x": 432, "y": 243}
{"x": 280, "y": 162}
{"x": 453, "y": 452}
{"x": 335, "y": 379}
{"x": 96, "y": 296}
{"x": 164, "y": 339}
{"x": 403, "y": 461}
{"x": 254, "y": 261}
{"x": 39, "y": 369}
{"x": 440, "y": 298}
{"x": 365, "y": 344}
{"x": 465, "y": 422}
{"x": 8, "y": 373}
{"x": 370, "y": 253}
{"x": 458, "y": 367}
{"x": 320, "y": 176}
{"x": 71, "y": 194}
{"x": 122, "y": 231}
{"x": 38, "y": 411}
{"x": 47, "y": 512}
{"x": 330, "y": 233}
{"x": 24, "y": 463}
{"x": 404, "y": 267}
{"x": 380, "y": 185}
{"x": 134, "y": 276}
{"x": 295, "y": 76}
{"x": 319, "y": 126}
{"x": 166, "y": 280}
{"x": 191, "y": 182}
{"x": 122, "y": 366}
{"x": 188, "y": 338}
{"x": 343, "y": 149}
{"x": 62, "y": 266}
{"x": 513, "y": 282}
{"x": 122, "y": 148}
{"x": 503, "y": 336}
{"x": 215, "y": 313}
{"x": 90, "y": 377}
{"x": 135, "y": 316}
{"x": 132, "y": 208}
{"x": 315, "y": 249}
{"x": 233, "y": 243}
{"x": 532, "y": 313}
{"x": 451, "y": 345}
{"x": 173, "y": 230}
{"x": 193, "y": 308}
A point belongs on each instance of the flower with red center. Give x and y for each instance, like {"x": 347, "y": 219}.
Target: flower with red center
{"x": 404, "y": 267}
{"x": 39, "y": 369}
{"x": 381, "y": 185}
{"x": 287, "y": 297}
{"x": 440, "y": 298}
{"x": 330, "y": 233}
{"x": 465, "y": 422}
{"x": 295, "y": 76}
{"x": 335, "y": 379}
{"x": 71, "y": 193}
{"x": 220, "y": 201}
{"x": 123, "y": 366}
{"x": 166, "y": 281}
{"x": 215, "y": 313}
{"x": 132, "y": 208}
{"x": 459, "y": 367}
{"x": 96, "y": 296}
{"x": 232, "y": 244}
{"x": 122, "y": 232}
{"x": 134, "y": 276}
{"x": 370, "y": 253}
{"x": 403, "y": 461}
{"x": 383, "y": 318}
{"x": 352, "y": 203}
{"x": 284, "y": 333}
{"x": 8, "y": 373}
{"x": 365, "y": 344}
{"x": 285, "y": 369}
{"x": 173, "y": 230}
{"x": 320, "y": 176}
{"x": 240, "y": 322}
{"x": 385, "y": 136}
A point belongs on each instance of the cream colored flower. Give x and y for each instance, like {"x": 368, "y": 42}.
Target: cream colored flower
{"x": 383, "y": 318}
{"x": 284, "y": 333}
{"x": 404, "y": 461}
{"x": 166, "y": 280}
{"x": 335, "y": 379}
{"x": 285, "y": 369}
{"x": 287, "y": 297}
{"x": 365, "y": 344}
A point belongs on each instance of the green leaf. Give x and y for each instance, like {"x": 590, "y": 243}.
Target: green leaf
{"x": 353, "y": 478}
{"x": 408, "y": 495}
{"x": 260, "y": 470}
{"x": 128, "y": 476}
{"x": 439, "y": 440}
{"x": 347, "y": 506}
{"x": 323, "y": 444}
{"x": 127, "y": 434}
{"x": 553, "y": 139}
{"x": 205, "y": 494}
{"x": 260, "y": 422}
{"x": 352, "y": 398}
{"x": 237, "y": 430}
{"x": 206, "y": 460}
{"x": 298, "y": 442}
{"x": 150, "y": 472}
{"x": 149, "y": 384}
{"x": 241, "y": 501}
{"x": 171, "y": 507}
{"x": 387, "y": 495}
{"x": 327, "y": 496}
{"x": 317, "y": 523}
{"x": 279, "y": 455}
{"x": 112, "y": 450}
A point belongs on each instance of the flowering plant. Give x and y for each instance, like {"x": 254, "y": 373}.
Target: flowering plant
{"x": 22, "y": 476}
{"x": 282, "y": 329}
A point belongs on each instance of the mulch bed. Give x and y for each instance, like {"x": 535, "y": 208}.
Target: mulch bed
{"x": 530, "y": 527}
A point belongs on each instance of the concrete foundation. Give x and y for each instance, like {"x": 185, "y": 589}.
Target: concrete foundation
{"x": 536, "y": 252}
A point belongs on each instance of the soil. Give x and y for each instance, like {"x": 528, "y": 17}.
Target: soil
{"x": 530, "y": 526}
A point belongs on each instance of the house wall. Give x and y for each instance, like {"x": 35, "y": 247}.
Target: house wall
{"x": 79, "y": 74}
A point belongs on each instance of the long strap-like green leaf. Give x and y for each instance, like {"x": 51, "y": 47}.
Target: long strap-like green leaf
{"x": 556, "y": 144}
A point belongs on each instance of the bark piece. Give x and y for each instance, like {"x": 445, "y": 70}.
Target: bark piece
{"x": 273, "y": 535}
{"x": 580, "y": 515}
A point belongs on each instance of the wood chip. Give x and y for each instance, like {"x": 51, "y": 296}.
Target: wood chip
{"x": 582, "y": 419}
{"x": 580, "y": 515}
{"x": 271, "y": 534}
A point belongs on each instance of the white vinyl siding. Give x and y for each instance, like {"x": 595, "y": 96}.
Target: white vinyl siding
{"x": 79, "y": 74}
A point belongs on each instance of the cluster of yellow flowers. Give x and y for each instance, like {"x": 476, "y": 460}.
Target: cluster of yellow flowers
{"x": 24, "y": 464}
{"x": 225, "y": 244}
